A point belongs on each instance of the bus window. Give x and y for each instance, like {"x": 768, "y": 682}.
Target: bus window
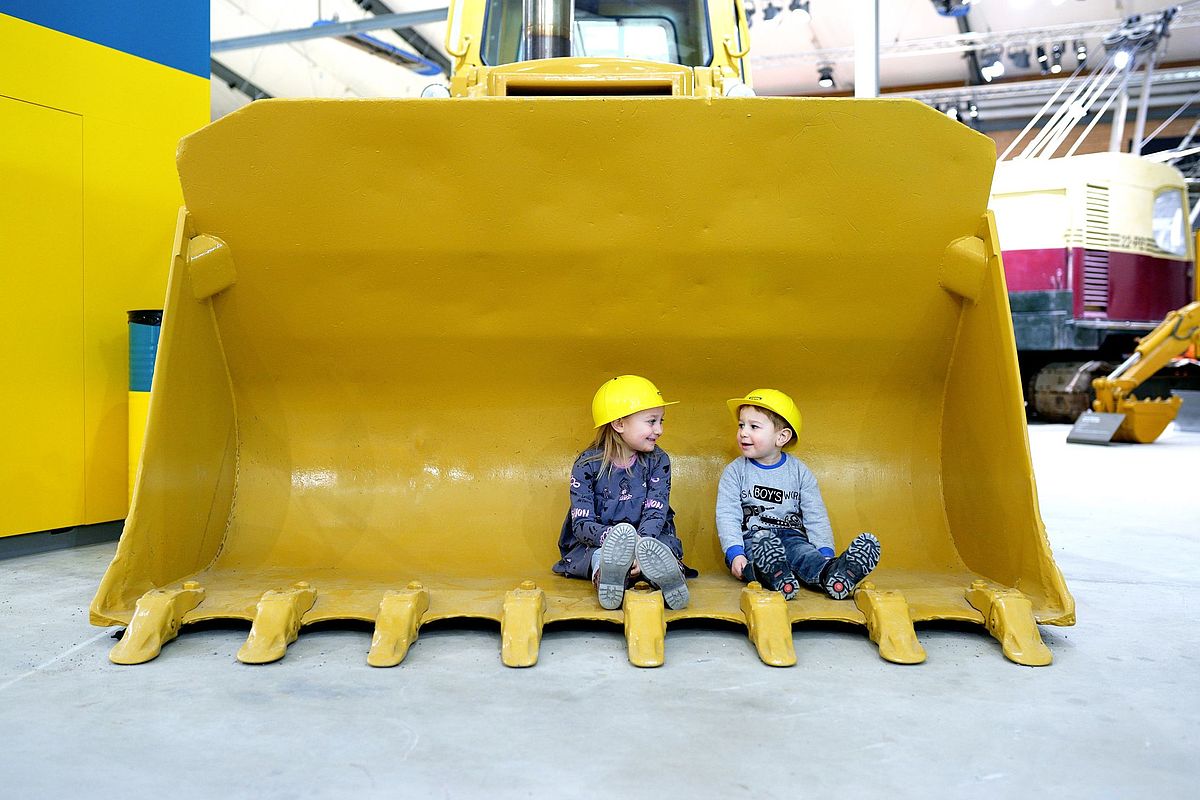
{"x": 673, "y": 31}
{"x": 1170, "y": 230}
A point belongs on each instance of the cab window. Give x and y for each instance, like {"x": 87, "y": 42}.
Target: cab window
{"x": 671, "y": 31}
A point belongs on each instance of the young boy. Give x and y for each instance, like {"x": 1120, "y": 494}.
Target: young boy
{"x": 770, "y": 517}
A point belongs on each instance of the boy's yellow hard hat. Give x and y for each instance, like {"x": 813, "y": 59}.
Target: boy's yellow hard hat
{"x": 625, "y": 395}
{"x": 774, "y": 400}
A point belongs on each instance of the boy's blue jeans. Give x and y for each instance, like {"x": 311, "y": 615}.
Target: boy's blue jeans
{"x": 803, "y": 557}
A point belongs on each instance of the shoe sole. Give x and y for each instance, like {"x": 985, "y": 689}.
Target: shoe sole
{"x": 616, "y": 557}
{"x": 862, "y": 556}
{"x": 660, "y": 567}
{"x": 770, "y": 561}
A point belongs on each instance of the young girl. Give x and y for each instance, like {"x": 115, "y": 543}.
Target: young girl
{"x": 621, "y": 526}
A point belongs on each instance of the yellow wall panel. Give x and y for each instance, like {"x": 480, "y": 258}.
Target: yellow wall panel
{"x": 41, "y": 371}
{"x": 131, "y": 113}
{"x": 132, "y": 194}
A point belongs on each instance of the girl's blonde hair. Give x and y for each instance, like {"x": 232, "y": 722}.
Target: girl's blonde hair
{"x": 610, "y": 444}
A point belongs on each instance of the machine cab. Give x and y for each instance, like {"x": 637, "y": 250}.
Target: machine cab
{"x": 598, "y": 47}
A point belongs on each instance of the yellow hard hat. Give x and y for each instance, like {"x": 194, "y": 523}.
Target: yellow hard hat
{"x": 623, "y": 396}
{"x": 774, "y": 400}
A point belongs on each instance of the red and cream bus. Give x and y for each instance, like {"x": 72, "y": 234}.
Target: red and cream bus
{"x": 1097, "y": 250}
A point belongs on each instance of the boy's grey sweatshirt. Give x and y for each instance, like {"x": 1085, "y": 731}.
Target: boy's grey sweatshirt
{"x": 783, "y": 495}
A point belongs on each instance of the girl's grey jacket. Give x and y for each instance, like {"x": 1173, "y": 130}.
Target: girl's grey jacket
{"x": 638, "y": 495}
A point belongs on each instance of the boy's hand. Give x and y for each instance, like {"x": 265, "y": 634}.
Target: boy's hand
{"x": 635, "y": 570}
{"x": 737, "y": 565}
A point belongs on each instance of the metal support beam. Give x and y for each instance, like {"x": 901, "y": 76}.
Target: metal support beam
{"x": 1139, "y": 127}
{"x": 1117, "y": 132}
{"x": 335, "y": 29}
{"x": 235, "y": 81}
{"x": 974, "y": 73}
{"x": 415, "y": 40}
{"x": 974, "y": 40}
{"x": 866, "y": 49}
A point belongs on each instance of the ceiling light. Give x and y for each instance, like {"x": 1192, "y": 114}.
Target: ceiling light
{"x": 800, "y": 7}
{"x": 1121, "y": 59}
{"x": 1080, "y": 51}
{"x": 825, "y": 76}
{"x": 992, "y": 66}
{"x": 1056, "y": 59}
{"x": 771, "y": 12}
{"x": 972, "y": 109}
{"x": 1019, "y": 58}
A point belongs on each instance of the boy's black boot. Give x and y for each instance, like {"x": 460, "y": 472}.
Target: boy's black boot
{"x": 846, "y": 571}
{"x": 770, "y": 564}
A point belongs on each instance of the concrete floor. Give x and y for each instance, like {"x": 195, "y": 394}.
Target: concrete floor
{"x": 1115, "y": 716}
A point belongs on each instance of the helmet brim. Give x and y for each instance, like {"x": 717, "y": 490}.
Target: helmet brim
{"x": 634, "y": 411}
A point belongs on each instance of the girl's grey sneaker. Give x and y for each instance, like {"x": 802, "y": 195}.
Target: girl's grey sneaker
{"x": 661, "y": 568}
{"x": 770, "y": 564}
{"x": 616, "y": 557}
{"x": 846, "y": 571}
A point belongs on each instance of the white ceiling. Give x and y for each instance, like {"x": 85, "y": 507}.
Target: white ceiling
{"x": 317, "y": 67}
{"x": 784, "y": 55}
{"x": 782, "y": 48}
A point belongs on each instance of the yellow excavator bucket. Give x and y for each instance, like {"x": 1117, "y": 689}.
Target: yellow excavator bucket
{"x": 386, "y": 320}
{"x": 1145, "y": 420}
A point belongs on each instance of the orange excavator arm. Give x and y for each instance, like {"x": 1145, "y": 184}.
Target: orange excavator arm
{"x": 1145, "y": 420}
{"x": 1171, "y": 338}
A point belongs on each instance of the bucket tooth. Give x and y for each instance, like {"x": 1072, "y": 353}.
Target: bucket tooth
{"x": 1008, "y": 615}
{"x": 396, "y": 624}
{"x": 645, "y": 627}
{"x": 156, "y": 621}
{"x": 276, "y": 623}
{"x": 889, "y": 624}
{"x": 768, "y": 625}
{"x": 521, "y": 625}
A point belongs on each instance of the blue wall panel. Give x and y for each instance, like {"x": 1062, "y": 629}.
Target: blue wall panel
{"x": 173, "y": 33}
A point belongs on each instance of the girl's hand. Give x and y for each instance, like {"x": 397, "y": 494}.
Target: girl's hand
{"x": 737, "y": 566}
{"x": 635, "y": 570}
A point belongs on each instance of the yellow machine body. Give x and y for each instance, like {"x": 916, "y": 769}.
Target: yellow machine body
{"x": 364, "y": 414}
{"x": 139, "y": 409}
{"x": 709, "y": 43}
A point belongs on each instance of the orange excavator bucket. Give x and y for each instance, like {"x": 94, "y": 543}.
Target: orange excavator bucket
{"x": 386, "y": 320}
